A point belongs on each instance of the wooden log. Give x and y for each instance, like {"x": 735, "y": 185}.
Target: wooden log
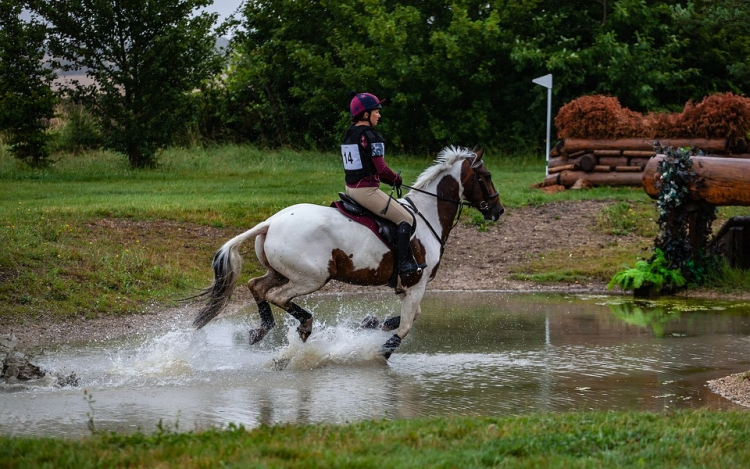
{"x": 639, "y": 154}
{"x": 723, "y": 181}
{"x": 640, "y": 162}
{"x": 575, "y": 154}
{"x": 603, "y": 168}
{"x": 608, "y": 153}
{"x": 612, "y": 178}
{"x": 587, "y": 162}
{"x": 567, "y": 167}
{"x": 736, "y": 155}
{"x": 551, "y": 180}
{"x": 628, "y": 169}
{"x": 572, "y": 145}
{"x": 558, "y": 161}
{"x": 613, "y": 160}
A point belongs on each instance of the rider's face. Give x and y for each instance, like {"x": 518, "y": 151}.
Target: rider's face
{"x": 375, "y": 117}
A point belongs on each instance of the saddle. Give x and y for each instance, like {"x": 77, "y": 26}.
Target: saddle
{"x": 382, "y": 227}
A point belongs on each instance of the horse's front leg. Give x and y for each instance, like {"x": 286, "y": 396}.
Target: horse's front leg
{"x": 410, "y": 310}
{"x": 305, "y": 320}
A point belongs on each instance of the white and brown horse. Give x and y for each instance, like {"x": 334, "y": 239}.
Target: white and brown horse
{"x": 305, "y": 246}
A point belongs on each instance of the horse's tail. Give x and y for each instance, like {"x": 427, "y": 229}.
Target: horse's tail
{"x": 227, "y": 265}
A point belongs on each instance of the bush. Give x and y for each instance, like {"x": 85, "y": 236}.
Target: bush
{"x": 717, "y": 116}
{"x": 76, "y": 130}
{"x": 597, "y": 117}
{"x": 723, "y": 115}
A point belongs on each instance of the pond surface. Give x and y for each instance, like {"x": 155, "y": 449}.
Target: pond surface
{"x": 470, "y": 353}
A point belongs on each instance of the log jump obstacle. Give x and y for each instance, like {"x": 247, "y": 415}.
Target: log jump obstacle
{"x": 621, "y": 162}
{"x": 720, "y": 182}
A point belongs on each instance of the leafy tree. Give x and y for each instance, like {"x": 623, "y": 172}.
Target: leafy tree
{"x": 440, "y": 66}
{"x": 143, "y": 60}
{"x": 719, "y": 44}
{"x": 460, "y": 71}
{"x": 26, "y": 100}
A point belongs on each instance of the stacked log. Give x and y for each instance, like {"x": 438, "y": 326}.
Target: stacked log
{"x": 621, "y": 162}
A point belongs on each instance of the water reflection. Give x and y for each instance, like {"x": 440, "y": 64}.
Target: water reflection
{"x": 469, "y": 354}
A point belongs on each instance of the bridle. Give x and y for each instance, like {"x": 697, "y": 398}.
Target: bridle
{"x": 482, "y": 206}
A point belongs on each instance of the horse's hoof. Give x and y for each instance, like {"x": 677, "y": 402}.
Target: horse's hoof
{"x": 390, "y": 346}
{"x": 305, "y": 329}
{"x": 256, "y": 335}
{"x": 391, "y": 324}
{"x": 370, "y": 322}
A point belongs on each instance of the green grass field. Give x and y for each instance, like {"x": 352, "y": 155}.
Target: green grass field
{"x": 686, "y": 439}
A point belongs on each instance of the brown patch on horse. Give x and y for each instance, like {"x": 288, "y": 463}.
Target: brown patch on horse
{"x": 341, "y": 268}
{"x": 259, "y": 286}
{"x": 447, "y": 188}
{"x": 472, "y": 191}
{"x": 434, "y": 270}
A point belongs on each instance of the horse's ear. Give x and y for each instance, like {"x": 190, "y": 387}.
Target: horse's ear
{"x": 478, "y": 158}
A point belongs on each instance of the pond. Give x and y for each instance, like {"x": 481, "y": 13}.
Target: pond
{"x": 470, "y": 353}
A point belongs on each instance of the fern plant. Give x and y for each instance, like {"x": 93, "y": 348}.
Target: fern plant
{"x": 655, "y": 272}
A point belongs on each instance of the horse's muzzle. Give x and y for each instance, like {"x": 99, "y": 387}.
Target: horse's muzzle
{"x": 493, "y": 214}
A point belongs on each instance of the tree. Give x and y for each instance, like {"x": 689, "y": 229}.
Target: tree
{"x": 26, "y": 99}
{"x": 460, "y": 71}
{"x": 143, "y": 59}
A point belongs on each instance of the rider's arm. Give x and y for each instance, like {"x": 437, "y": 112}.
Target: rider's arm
{"x": 386, "y": 174}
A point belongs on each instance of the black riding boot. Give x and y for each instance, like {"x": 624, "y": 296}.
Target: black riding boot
{"x": 405, "y": 259}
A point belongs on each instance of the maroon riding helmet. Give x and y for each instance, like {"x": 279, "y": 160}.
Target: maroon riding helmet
{"x": 362, "y": 102}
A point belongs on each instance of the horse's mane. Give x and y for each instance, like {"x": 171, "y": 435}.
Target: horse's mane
{"x": 444, "y": 160}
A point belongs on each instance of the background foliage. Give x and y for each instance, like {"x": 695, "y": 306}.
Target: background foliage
{"x": 461, "y": 71}
{"x": 453, "y": 72}
{"x": 26, "y": 100}
{"x": 144, "y": 59}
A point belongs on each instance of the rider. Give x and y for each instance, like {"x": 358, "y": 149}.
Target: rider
{"x": 363, "y": 153}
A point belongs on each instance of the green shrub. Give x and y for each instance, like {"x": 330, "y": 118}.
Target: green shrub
{"x": 655, "y": 272}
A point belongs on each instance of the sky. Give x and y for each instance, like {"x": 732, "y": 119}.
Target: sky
{"x": 224, "y": 8}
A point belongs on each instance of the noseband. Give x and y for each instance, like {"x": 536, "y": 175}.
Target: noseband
{"x": 484, "y": 205}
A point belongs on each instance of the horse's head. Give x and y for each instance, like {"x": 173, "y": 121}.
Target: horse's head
{"x": 478, "y": 187}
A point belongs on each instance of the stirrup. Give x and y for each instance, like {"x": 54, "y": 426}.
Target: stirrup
{"x": 418, "y": 268}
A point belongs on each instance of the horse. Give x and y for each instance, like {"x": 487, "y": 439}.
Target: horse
{"x": 305, "y": 246}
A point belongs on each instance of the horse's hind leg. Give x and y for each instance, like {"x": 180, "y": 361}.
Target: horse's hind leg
{"x": 259, "y": 287}
{"x": 373, "y": 322}
{"x": 283, "y": 295}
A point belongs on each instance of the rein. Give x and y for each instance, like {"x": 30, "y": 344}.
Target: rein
{"x": 482, "y": 206}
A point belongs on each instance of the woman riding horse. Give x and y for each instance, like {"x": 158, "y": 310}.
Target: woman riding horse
{"x": 305, "y": 246}
{"x": 363, "y": 154}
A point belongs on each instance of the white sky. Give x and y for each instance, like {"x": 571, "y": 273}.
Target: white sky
{"x": 224, "y": 8}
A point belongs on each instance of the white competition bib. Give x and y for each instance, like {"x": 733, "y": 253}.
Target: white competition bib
{"x": 350, "y": 155}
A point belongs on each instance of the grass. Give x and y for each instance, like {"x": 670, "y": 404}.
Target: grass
{"x": 682, "y": 439}
{"x": 90, "y": 236}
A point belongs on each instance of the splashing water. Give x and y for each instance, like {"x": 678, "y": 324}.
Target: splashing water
{"x": 336, "y": 344}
